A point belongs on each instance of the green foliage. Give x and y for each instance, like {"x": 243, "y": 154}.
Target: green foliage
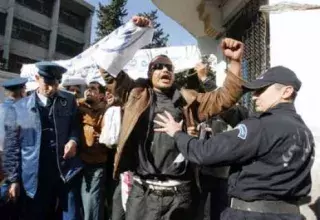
{"x": 160, "y": 39}
{"x": 110, "y": 17}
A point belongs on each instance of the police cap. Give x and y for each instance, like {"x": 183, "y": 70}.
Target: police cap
{"x": 278, "y": 74}
{"x": 13, "y": 84}
{"x": 51, "y": 72}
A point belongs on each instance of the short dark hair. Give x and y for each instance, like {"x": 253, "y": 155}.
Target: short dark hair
{"x": 16, "y": 92}
{"x": 102, "y": 89}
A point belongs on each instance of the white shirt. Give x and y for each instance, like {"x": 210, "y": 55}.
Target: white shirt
{"x": 42, "y": 98}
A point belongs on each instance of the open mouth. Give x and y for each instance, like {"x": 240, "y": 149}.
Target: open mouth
{"x": 166, "y": 77}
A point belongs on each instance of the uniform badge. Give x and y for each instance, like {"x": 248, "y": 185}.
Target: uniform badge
{"x": 63, "y": 102}
{"x": 243, "y": 131}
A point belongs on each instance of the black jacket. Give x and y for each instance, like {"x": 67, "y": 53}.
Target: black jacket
{"x": 271, "y": 155}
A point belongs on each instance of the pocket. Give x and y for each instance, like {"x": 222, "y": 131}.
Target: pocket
{"x": 136, "y": 191}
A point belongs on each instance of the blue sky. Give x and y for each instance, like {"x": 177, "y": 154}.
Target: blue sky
{"x": 178, "y": 35}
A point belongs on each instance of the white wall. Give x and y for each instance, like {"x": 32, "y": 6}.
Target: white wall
{"x": 295, "y": 44}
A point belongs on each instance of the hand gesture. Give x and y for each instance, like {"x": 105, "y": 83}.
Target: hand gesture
{"x": 168, "y": 124}
{"x": 192, "y": 131}
{"x": 14, "y": 192}
{"x": 141, "y": 21}
{"x": 70, "y": 149}
{"x": 232, "y": 49}
{"x": 202, "y": 71}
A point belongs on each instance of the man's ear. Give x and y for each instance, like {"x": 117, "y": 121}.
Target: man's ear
{"x": 101, "y": 96}
{"x": 287, "y": 93}
{"x": 37, "y": 77}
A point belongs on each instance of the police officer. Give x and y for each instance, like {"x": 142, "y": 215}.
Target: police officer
{"x": 40, "y": 148}
{"x": 14, "y": 90}
{"x": 271, "y": 154}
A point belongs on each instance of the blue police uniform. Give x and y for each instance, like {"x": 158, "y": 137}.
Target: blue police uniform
{"x": 7, "y": 210}
{"x": 43, "y": 130}
{"x": 271, "y": 155}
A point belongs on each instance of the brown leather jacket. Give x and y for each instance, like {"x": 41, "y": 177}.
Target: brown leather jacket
{"x": 92, "y": 152}
{"x": 136, "y": 98}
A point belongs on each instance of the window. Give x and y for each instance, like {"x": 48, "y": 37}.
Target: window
{"x": 30, "y": 33}
{"x": 68, "y": 47}
{"x": 15, "y": 62}
{"x": 3, "y": 17}
{"x": 72, "y": 19}
{"x": 2, "y": 61}
{"x": 42, "y": 6}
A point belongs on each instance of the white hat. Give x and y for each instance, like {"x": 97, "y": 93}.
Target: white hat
{"x": 96, "y": 77}
{"x": 72, "y": 81}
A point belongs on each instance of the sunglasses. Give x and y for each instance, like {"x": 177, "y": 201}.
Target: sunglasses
{"x": 160, "y": 66}
{"x": 260, "y": 91}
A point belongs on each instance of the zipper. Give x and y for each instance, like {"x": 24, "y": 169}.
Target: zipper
{"x": 57, "y": 143}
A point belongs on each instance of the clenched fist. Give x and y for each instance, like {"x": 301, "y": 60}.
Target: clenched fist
{"x": 141, "y": 21}
{"x": 232, "y": 49}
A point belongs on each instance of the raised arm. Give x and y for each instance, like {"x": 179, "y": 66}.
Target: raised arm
{"x": 117, "y": 50}
{"x": 221, "y": 99}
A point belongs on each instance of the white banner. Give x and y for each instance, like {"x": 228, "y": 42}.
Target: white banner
{"x": 117, "y": 48}
{"x": 121, "y": 51}
{"x": 183, "y": 57}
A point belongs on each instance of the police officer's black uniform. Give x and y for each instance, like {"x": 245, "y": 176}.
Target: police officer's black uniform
{"x": 271, "y": 156}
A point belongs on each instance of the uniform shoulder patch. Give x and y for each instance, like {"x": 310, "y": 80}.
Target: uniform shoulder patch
{"x": 243, "y": 131}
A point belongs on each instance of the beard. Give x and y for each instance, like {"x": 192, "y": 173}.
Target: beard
{"x": 90, "y": 101}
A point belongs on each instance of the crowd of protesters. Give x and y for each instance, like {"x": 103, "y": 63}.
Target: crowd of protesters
{"x": 150, "y": 149}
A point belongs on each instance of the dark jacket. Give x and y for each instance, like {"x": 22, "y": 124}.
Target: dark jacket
{"x": 23, "y": 139}
{"x": 271, "y": 155}
{"x": 196, "y": 107}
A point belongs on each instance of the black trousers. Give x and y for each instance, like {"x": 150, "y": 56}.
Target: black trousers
{"x": 213, "y": 198}
{"x": 146, "y": 204}
{"x": 233, "y": 214}
{"x": 54, "y": 199}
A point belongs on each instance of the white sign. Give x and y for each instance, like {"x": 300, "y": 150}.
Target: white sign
{"x": 120, "y": 50}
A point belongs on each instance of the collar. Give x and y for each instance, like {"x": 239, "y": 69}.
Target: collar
{"x": 43, "y": 99}
{"x": 32, "y": 98}
{"x": 9, "y": 100}
{"x": 284, "y": 106}
{"x": 279, "y": 108}
{"x": 174, "y": 95}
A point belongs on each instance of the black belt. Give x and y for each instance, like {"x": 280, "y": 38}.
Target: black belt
{"x": 263, "y": 206}
{"x": 163, "y": 190}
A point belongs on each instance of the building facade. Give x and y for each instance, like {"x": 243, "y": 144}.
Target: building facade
{"x": 33, "y": 30}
